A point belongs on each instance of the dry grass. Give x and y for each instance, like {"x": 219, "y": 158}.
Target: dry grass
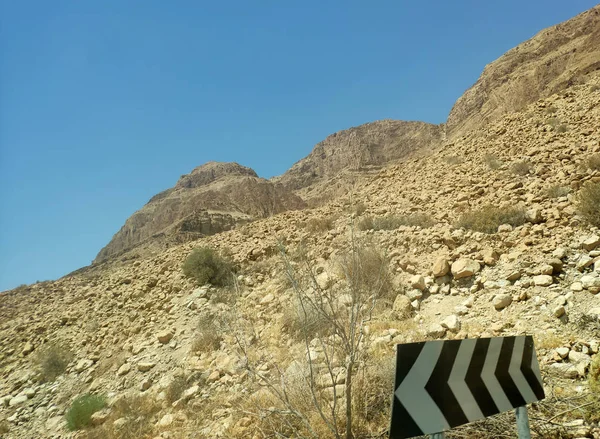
{"x": 52, "y": 361}
{"x": 588, "y": 202}
{"x": 521, "y": 168}
{"x": 548, "y": 340}
{"x": 303, "y": 319}
{"x": 392, "y": 222}
{"x": 488, "y": 218}
{"x": 176, "y": 388}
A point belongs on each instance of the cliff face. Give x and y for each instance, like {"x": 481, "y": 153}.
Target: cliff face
{"x": 553, "y": 60}
{"x": 212, "y": 198}
{"x": 371, "y": 144}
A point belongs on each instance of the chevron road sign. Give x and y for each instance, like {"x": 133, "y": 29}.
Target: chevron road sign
{"x": 443, "y": 384}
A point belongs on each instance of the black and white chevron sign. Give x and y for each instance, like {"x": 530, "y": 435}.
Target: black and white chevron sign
{"x": 444, "y": 384}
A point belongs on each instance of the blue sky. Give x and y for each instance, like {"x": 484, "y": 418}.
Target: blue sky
{"x": 105, "y": 103}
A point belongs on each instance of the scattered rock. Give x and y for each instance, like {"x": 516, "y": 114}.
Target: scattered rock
{"x": 543, "y": 280}
{"x": 464, "y": 268}
{"x": 402, "y": 308}
{"x": 501, "y": 301}
{"x": 441, "y": 267}
{"x": 164, "y": 337}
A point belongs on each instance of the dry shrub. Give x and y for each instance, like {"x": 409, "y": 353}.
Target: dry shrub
{"x": 492, "y": 161}
{"x": 589, "y": 203}
{"x": 176, "y": 388}
{"x": 52, "y": 361}
{"x": 454, "y": 160}
{"x": 488, "y": 218}
{"x": 521, "y": 168}
{"x": 594, "y": 375}
{"x": 562, "y": 128}
{"x": 367, "y": 270}
{"x": 392, "y": 222}
{"x": 205, "y": 265}
{"x": 373, "y": 396}
{"x": 557, "y": 191}
{"x": 320, "y": 224}
{"x": 302, "y": 319}
{"x": 4, "y": 426}
{"x": 359, "y": 208}
{"x": 138, "y": 412}
{"x": 210, "y": 334}
{"x": 593, "y": 162}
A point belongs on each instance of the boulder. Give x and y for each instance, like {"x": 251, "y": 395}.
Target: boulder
{"x": 464, "y": 267}
{"x": 402, "y": 308}
{"x": 501, "y": 301}
{"x": 441, "y": 267}
{"x": 543, "y": 280}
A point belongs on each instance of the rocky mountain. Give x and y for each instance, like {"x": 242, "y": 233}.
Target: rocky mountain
{"x": 554, "y": 59}
{"x": 482, "y": 237}
{"x": 214, "y": 197}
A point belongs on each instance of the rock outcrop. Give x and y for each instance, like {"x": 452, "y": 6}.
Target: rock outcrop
{"x": 213, "y": 198}
{"x": 554, "y": 59}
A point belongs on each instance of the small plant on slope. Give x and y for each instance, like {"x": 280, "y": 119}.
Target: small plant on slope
{"x": 82, "y": 408}
{"x": 206, "y": 266}
{"x": 589, "y": 203}
{"x": 488, "y": 218}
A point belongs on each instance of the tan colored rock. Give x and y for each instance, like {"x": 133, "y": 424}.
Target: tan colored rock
{"x": 145, "y": 366}
{"x": 464, "y": 267}
{"x": 124, "y": 369}
{"x": 542, "y": 280}
{"x": 591, "y": 243}
{"x": 501, "y": 301}
{"x": 164, "y": 337}
{"x": 441, "y": 267}
{"x": 402, "y": 307}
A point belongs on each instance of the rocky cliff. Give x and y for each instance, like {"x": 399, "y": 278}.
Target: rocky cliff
{"x": 214, "y": 197}
{"x": 556, "y": 58}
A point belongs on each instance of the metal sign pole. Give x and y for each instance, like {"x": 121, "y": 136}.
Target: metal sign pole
{"x": 437, "y": 435}
{"x": 523, "y": 423}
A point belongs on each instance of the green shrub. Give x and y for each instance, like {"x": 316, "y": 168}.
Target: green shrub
{"x": 206, "y": 266}
{"x": 589, "y": 203}
{"x": 557, "y": 191}
{"x": 492, "y": 161}
{"x": 594, "y": 162}
{"x": 82, "y": 408}
{"x": 488, "y": 218}
{"x": 391, "y": 222}
{"x": 521, "y": 168}
{"x": 52, "y": 362}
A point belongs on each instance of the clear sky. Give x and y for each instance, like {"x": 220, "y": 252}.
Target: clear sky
{"x": 105, "y": 103}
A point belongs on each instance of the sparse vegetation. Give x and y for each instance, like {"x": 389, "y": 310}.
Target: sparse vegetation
{"x": 488, "y": 218}
{"x": 175, "y": 388}
{"x": 562, "y": 128}
{"x": 492, "y": 161}
{"x": 589, "y": 203}
{"x": 557, "y": 191}
{"x": 4, "y": 427}
{"x": 593, "y": 162}
{"x": 301, "y": 318}
{"x": 82, "y": 408}
{"x": 205, "y": 265}
{"x": 594, "y": 375}
{"x": 391, "y": 222}
{"x": 521, "y": 168}
{"x": 52, "y": 361}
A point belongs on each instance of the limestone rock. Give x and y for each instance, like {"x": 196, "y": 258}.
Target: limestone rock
{"x": 436, "y": 331}
{"x": 501, "y": 301}
{"x": 441, "y": 267}
{"x": 591, "y": 242}
{"x": 402, "y": 308}
{"x": 145, "y": 366}
{"x": 464, "y": 267}
{"x": 418, "y": 282}
{"x": 543, "y": 280}
{"x": 124, "y": 369}
{"x": 165, "y": 336}
{"x": 452, "y": 323}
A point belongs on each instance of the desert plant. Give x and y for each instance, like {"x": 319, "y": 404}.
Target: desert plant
{"x": 320, "y": 224}
{"x": 52, "y": 361}
{"x": 589, "y": 203}
{"x": 391, "y": 222}
{"x": 205, "y": 265}
{"x": 176, "y": 388}
{"x": 79, "y": 414}
{"x": 594, "y": 375}
{"x": 488, "y": 218}
{"x": 593, "y": 162}
{"x": 521, "y": 168}
{"x": 454, "y": 160}
{"x": 557, "y": 191}
{"x": 562, "y": 128}
{"x": 492, "y": 161}
{"x": 4, "y": 427}
{"x": 210, "y": 334}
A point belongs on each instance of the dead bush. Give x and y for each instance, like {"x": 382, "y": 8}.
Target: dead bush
{"x": 589, "y": 203}
{"x": 52, "y": 361}
{"x": 210, "y": 334}
{"x": 488, "y": 218}
{"x": 392, "y": 222}
{"x": 302, "y": 319}
{"x": 521, "y": 168}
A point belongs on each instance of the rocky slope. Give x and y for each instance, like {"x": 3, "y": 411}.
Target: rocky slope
{"x": 214, "y": 197}
{"x": 551, "y": 61}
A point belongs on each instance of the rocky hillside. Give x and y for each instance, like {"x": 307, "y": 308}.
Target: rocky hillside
{"x": 175, "y": 360}
{"x": 214, "y": 197}
{"x": 553, "y": 60}
{"x": 369, "y": 145}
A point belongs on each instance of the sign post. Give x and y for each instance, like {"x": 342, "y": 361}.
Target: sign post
{"x": 446, "y": 383}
